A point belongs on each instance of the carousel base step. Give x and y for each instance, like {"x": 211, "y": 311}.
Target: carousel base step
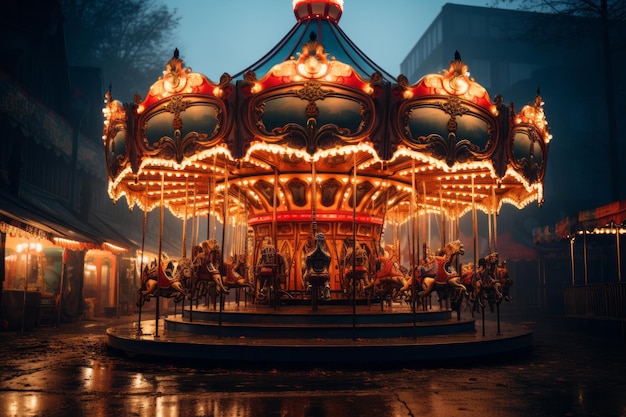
{"x": 153, "y": 340}
{"x": 334, "y": 336}
{"x": 304, "y": 315}
{"x": 320, "y": 330}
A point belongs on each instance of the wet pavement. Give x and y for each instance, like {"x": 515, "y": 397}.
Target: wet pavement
{"x": 70, "y": 371}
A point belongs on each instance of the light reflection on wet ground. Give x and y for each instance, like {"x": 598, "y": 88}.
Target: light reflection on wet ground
{"x": 69, "y": 371}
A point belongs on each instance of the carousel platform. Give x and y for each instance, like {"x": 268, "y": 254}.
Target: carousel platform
{"x": 331, "y": 335}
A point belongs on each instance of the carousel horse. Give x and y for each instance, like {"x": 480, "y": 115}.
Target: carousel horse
{"x": 269, "y": 271}
{"x": 355, "y": 268}
{"x": 471, "y": 278}
{"x": 207, "y": 259}
{"x": 236, "y": 275}
{"x": 491, "y": 281}
{"x": 389, "y": 278}
{"x": 506, "y": 282}
{"x": 149, "y": 283}
{"x": 183, "y": 276}
{"x": 164, "y": 282}
{"x": 496, "y": 282}
{"x": 439, "y": 272}
{"x": 316, "y": 275}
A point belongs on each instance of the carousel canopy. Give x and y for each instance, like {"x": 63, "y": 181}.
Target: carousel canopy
{"x": 316, "y": 110}
{"x": 318, "y": 20}
{"x": 607, "y": 219}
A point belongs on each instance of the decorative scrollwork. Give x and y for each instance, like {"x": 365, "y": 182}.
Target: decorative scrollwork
{"x": 312, "y": 91}
{"x": 448, "y": 149}
{"x": 454, "y": 108}
{"x": 183, "y": 141}
{"x": 114, "y": 135}
{"x": 527, "y": 147}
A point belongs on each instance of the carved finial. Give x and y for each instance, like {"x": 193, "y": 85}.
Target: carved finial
{"x": 538, "y": 98}
{"x": 313, "y": 37}
{"x": 176, "y": 53}
{"x": 457, "y": 56}
{"x": 109, "y": 94}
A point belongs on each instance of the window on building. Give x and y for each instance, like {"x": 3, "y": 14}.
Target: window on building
{"x": 480, "y": 70}
{"x": 460, "y": 24}
{"x": 478, "y": 26}
{"x": 519, "y": 71}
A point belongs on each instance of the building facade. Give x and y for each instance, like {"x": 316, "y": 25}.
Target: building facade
{"x": 65, "y": 247}
{"x": 511, "y": 51}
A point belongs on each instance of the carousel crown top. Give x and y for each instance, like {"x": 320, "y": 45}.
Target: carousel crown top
{"x": 316, "y": 131}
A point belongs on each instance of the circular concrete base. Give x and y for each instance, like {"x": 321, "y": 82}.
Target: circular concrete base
{"x": 326, "y": 338}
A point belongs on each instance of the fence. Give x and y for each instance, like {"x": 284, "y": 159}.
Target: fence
{"x": 599, "y": 300}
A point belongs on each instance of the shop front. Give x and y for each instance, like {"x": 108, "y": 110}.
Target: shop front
{"x": 48, "y": 279}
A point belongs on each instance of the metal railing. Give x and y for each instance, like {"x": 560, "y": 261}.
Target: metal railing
{"x": 599, "y": 300}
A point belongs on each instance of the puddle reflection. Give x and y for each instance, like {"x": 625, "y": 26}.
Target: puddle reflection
{"x": 204, "y": 404}
{"x": 263, "y": 405}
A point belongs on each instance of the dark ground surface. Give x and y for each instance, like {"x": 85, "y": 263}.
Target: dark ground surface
{"x": 70, "y": 371}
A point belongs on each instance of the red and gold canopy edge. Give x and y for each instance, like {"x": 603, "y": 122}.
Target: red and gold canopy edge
{"x": 255, "y": 147}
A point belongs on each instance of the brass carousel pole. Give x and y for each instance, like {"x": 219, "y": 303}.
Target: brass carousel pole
{"x": 475, "y": 243}
{"x": 184, "y": 249}
{"x": 210, "y": 234}
{"x": 209, "y": 203}
{"x": 354, "y": 249}
{"x": 314, "y": 288}
{"x": 313, "y": 198}
{"x": 442, "y": 219}
{"x": 495, "y": 249}
{"x": 395, "y": 231}
{"x": 571, "y": 255}
{"x": 494, "y": 235}
{"x": 225, "y": 215}
{"x": 585, "y": 269}
{"x": 275, "y": 242}
{"x": 159, "y": 261}
{"x": 143, "y": 243}
{"x": 457, "y": 228}
{"x": 214, "y": 183}
{"x": 194, "y": 241}
{"x": 194, "y": 229}
{"x": 413, "y": 241}
{"x": 490, "y": 232}
{"x": 223, "y": 263}
{"x": 426, "y": 231}
{"x": 619, "y": 253}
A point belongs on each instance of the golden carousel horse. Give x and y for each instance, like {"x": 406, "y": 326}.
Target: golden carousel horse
{"x": 439, "y": 272}
{"x": 166, "y": 282}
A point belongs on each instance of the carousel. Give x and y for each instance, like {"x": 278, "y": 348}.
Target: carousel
{"x": 320, "y": 179}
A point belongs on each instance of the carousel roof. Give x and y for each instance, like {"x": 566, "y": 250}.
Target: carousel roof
{"x": 318, "y": 21}
{"x": 304, "y": 115}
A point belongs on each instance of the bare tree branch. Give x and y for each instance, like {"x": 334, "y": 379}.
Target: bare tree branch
{"x": 129, "y": 39}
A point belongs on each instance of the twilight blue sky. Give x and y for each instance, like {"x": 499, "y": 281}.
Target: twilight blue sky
{"x": 217, "y": 36}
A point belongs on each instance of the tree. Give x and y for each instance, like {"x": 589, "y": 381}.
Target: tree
{"x": 131, "y": 40}
{"x": 602, "y": 20}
